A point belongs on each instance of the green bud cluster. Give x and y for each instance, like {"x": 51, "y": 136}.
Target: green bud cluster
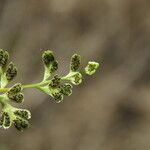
{"x": 67, "y": 89}
{"x": 21, "y": 124}
{"x": 4, "y": 57}
{"x": 59, "y": 89}
{"x": 50, "y": 63}
{"x": 56, "y": 86}
{"x": 74, "y": 77}
{"x": 18, "y": 117}
{"x": 21, "y": 119}
{"x": 75, "y": 62}
{"x": 7, "y": 73}
{"x": 55, "y": 82}
{"x": 23, "y": 113}
{"x": 11, "y": 72}
{"x": 18, "y": 98}
{"x": 14, "y": 93}
{"x": 17, "y": 88}
{"x": 5, "y": 120}
{"x": 48, "y": 57}
{"x": 91, "y": 67}
{"x": 55, "y": 89}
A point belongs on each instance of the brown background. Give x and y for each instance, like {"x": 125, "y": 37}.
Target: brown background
{"x": 110, "y": 110}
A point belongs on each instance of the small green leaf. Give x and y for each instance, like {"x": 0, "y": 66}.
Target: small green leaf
{"x": 17, "y": 88}
{"x": 53, "y": 67}
{"x": 14, "y": 93}
{"x": 48, "y": 57}
{"x": 56, "y": 93}
{"x": 5, "y": 121}
{"x": 21, "y": 124}
{"x": 91, "y": 67}
{"x": 50, "y": 64}
{"x": 18, "y": 98}
{"x": 11, "y": 72}
{"x": 4, "y": 57}
{"x": 75, "y": 62}
{"x": 67, "y": 89}
{"x": 23, "y": 113}
{"x": 55, "y": 82}
{"x": 74, "y": 77}
{"x": 58, "y": 96}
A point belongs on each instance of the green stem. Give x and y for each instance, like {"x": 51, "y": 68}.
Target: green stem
{"x": 3, "y": 89}
{"x": 36, "y": 85}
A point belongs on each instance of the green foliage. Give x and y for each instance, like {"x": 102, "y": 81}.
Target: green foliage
{"x": 75, "y": 62}
{"x": 91, "y": 67}
{"x": 4, "y": 56}
{"x": 52, "y": 84}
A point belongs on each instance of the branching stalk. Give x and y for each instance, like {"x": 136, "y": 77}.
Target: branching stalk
{"x": 56, "y": 86}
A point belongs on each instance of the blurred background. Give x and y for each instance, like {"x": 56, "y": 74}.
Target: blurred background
{"x": 111, "y": 109}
